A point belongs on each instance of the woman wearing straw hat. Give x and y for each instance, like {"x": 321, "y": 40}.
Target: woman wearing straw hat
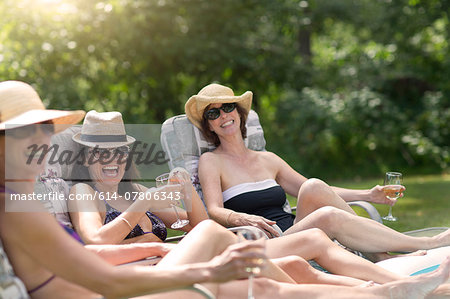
{"x": 54, "y": 265}
{"x": 39, "y": 247}
{"x": 120, "y": 219}
{"x": 245, "y": 187}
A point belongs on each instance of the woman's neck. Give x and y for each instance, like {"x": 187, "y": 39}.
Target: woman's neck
{"x": 105, "y": 188}
{"x": 233, "y": 145}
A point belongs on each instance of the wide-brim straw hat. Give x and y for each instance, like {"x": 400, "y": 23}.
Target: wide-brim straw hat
{"x": 103, "y": 130}
{"x": 20, "y": 105}
{"x": 211, "y": 94}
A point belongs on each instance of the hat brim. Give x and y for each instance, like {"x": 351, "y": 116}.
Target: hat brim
{"x": 77, "y": 139}
{"x": 196, "y": 105}
{"x": 61, "y": 118}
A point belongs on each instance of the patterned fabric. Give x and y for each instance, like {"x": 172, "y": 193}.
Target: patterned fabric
{"x": 11, "y": 287}
{"x": 158, "y": 226}
{"x": 49, "y": 183}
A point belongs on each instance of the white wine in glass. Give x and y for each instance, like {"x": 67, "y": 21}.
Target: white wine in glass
{"x": 392, "y": 189}
{"x": 252, "y": 235}
{"x": 163, "y": 180}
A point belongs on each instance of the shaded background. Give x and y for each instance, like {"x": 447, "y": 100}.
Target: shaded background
{"x": 344, "y": 89}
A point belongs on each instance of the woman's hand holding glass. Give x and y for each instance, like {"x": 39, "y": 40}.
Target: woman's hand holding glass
{"x": 392, "y": 189}
{"x": 236, "y": 260}
{"x": 255, "y": 236}
{"x": 377, "y": 195}
{"x": 168, "y": 180}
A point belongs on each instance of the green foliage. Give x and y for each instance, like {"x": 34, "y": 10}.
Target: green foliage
{"x": 333, "y": 134}
{"x": 329, "y": 77}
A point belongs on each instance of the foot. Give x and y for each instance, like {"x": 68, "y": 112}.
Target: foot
{"x": 443, "y": 239}
{"x": 377, "y": 257}
{"x": 419, "y": 286}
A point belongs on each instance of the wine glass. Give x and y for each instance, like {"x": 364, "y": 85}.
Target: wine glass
{"x": 258, "y": 236}
{"x": 392, "y": 189}
{"x": 163, "y": 180}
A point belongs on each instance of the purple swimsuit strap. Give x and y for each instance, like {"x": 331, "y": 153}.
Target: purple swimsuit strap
{"x": 42, "y": 284}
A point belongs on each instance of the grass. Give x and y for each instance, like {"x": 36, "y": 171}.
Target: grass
{"x": 426, "y": 202}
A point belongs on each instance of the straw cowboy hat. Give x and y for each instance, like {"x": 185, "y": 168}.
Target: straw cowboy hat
{"x": 214, "y": 93}
{"x": 20, "y": 105}
{"x": 103, "y": 130}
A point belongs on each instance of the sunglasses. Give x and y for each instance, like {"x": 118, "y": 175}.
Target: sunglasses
{"x": 47, "y": 127}
{"x": 121, "y": 151}
{"x": 214, "y": 113}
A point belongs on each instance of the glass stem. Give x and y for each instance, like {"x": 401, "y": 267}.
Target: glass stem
{"x": 390, "y": 211}
{"x": 176, "y": 212}
{"x": 250, "y": 287}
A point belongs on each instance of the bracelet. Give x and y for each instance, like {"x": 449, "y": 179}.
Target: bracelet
{"x": 127, "y": 222}
{"x": 228, "y": 217}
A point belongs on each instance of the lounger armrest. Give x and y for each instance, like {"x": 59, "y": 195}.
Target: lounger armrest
{"x": 250, "y": 228}
{"x": 369, "y": 208}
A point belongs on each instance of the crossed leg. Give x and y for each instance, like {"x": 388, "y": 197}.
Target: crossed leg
{"x": 314, "y": 244}
{"x": 333, "y": 216}
{"x": 417, "y": 287}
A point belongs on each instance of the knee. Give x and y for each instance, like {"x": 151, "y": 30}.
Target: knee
{"x": 265, "y": 288}
{"x": 311, "y": 188}
{"x": 210, "y": 227}
{"x": 330, "y": 217}
{"x": 317, "y": 238}
{"x": 294, "y": 263}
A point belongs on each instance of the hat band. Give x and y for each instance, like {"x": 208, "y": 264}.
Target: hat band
{"x": 103, "y": 138}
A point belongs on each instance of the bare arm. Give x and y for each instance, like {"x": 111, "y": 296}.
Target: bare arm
{"x": 291, "y": 182}
{"x": 37, "y": 236}
{"x": 88, "y": 221}
{"x": 375, "y": 194}
{"x": 126, "y": 253}
{"x": 209, "y": 175}
{"x": 286, "y": 176}
{"x": 194, "y": 211}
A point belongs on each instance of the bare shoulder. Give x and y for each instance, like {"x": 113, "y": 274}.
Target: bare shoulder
{"x": 209, "y": 158}
{"x": 270, "y": 156}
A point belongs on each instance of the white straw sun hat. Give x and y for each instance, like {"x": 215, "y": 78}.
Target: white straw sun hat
{"x": 20, "y": 105}
{"x": 214, "y": 93}
{"x": 103, "y": 130}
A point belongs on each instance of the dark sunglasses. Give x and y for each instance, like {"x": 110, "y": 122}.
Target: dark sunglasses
{"x": 121, "y": 151}
{"x": 47, "y": 127}
{"x": 214, "y": 113}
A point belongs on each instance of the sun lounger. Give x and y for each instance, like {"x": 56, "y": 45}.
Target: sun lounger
{"x": 184, "y": 144}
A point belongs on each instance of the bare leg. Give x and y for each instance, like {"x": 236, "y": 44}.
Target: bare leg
{"x": 364, "y": 234}
{"x": 204, "y": 242}
{"x": 417, "y": 287}
{"x": 302, "y": 272}
{"x": 313, "y": 195}
{"x": 313, "y": 244}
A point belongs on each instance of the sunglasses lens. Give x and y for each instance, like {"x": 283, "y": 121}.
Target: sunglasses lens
{"x": 123, "y": 150}
{"x": 212, "y": 114}
{"x": 228, "y": 107}
{"x": 107, "y": 153}
{"x": 22, "y": 132}
{"x": 48, "y": 129}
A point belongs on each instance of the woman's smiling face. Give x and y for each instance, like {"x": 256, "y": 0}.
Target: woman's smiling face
{"x": 226, "y": 123}
{"x": 106, "y": 166}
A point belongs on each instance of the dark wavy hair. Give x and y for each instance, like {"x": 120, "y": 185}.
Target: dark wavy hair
{"x": 212, "y": 136}
{"x": 80, "y": 174}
